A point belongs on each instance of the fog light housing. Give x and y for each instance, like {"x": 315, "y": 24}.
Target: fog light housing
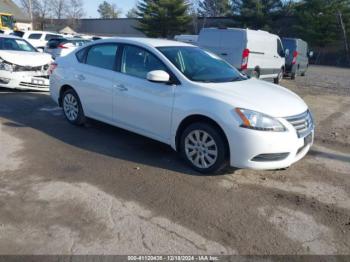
{"x": 4, "y": 80}
{"x": 270, "y": 157}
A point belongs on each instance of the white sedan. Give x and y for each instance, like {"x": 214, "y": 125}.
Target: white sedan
{"x": 186, "y": 97}
{"x": 22, "y": 66}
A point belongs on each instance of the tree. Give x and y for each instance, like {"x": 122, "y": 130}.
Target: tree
{"x": 132, "y": 13}
{"x": 257, "y": 14}
{"x": 163, "y": 18}
{"x": 107, "y": 10}
{"x": 59, "y": 8}
{"x": 75, "y": 12}
{"x": 214, "y": 8}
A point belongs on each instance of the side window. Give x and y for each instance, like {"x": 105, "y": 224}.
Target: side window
{"x": 35, "y": 36}
{"x": 49, "y": 37}
{"x": 280, "y": 50}
{"x": 102, "y": 56}
{"x": 139, "y": 62}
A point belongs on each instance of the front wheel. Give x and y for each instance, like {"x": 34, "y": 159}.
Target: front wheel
{"x": 72, "y": 109}
{"x": 204, "y": 148}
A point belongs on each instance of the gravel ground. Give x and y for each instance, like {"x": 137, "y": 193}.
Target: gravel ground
{"x": 102, "y": 190}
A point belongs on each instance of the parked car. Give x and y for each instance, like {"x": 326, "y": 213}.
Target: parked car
{"x": 22, "y": 66}
{"x": 57, "y": 47}
{"x": 191, "y": 39}
{"x": 256, "y": 53}
{"x": 186, "y": 97}
{"x": 297, "y": 57}
{"x": 39, "y": 39}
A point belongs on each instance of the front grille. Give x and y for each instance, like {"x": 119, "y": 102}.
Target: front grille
{"x": 26, "y": 84}
{"x": 303, "y": 123}
{"x": 18, "y": 68}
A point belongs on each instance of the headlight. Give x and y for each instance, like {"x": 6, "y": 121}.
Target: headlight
{"x": 6, "y": 66}
{"x": 258, "y": 121}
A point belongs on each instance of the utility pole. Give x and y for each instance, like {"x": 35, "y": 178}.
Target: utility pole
{"x": 30, "y": 10}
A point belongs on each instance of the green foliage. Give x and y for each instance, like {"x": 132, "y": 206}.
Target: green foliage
{"x": 107, "y": 10}
{"x": 257, "y": 14}
{"x": 214, "y": 8}
{"x": 318, "y": 20}
{"x": 163, "y": 18}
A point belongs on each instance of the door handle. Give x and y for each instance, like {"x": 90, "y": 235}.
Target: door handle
{"x": 121, "y": 88}
{"x": 81, "y": 77}
{"x": 223, "y": 54}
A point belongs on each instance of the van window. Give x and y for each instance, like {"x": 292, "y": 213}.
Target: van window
{"x": 35, "y": 36}
{"x": 102, "y": 56}
{"x": 280, "y": 50}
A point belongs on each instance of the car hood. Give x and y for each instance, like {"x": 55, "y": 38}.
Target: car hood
{"x": 22, "y": 58}
{"x": 260, "y": 96}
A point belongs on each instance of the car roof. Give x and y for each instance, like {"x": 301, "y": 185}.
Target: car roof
{"x": 152, "y": 42}
{"x": 41, "y": 32}
{"x": 11, "y": 37}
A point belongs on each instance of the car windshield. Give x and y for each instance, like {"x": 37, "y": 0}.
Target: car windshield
{"x": 200, "y": 65}
{"x": 13, "y": 44}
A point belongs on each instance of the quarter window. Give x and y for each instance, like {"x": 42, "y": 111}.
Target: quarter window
{"x": 102, "y": 56}
{"x": 35, "y": 36}
{"x": 139, "y": 62}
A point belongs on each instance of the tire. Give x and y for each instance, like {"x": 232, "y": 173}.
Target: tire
{"x": 204, "y": 148}
{"x": 72, "y": 109}
{"x": 293, "y": 76}
{"x": 256, "y": 74}
{"x": 279, "y": 77}
{"x": 303, "y": 74}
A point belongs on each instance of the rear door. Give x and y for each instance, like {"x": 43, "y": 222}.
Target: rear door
{"x": 232, "y": 45}
{"x": 95, "y": 79}
{"x": 302, "y": 57}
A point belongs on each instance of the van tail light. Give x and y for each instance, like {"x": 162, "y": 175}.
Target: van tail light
{"x": 295, "y": 56}
{"x": 52, "y": 68}
{"x": 245, "y": 58}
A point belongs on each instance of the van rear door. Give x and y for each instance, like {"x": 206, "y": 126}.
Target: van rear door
{"x": 233, "y": 43}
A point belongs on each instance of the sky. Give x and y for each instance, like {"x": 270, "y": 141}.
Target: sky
{"x": 92, "y": 5}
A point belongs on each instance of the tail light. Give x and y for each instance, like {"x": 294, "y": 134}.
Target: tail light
{"x": 52, "y": 68}
{"x": 62, "y": 46}
{"x": 245, "y": 58}
{"x": 295, "y": 56}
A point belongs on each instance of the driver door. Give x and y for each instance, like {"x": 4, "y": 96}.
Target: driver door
{"x": 140, "y": 105}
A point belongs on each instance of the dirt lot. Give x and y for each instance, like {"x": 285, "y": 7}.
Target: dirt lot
{"x": 102, "y": 190}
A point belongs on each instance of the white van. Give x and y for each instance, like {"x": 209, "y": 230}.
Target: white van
{"x": 39, "y": 39}
{"x": 254, "y": 52}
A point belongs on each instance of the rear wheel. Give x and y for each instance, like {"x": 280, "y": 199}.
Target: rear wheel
{"x": 279, "y": 78}
{"x": 256, "y": 73}
{"x": 72, "y": 108}
{"x": 204, "y": 148}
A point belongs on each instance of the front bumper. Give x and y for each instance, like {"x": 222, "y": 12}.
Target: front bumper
{"x": 260, "y": 150}
{"x": 36, "y": 81}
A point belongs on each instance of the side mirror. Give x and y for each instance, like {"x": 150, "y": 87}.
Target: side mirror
{"x": 311, "y": 54}
{"x": 287, "y": 52}
{"x": 158, "y": 76}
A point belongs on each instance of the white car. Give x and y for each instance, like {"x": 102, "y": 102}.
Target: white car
{"x": 256, "y": 53}
{"x": 57, "y": 47}
{"x": 22, "y": 66}
{"x": 185, "y": 97}
{"x": 39, "y": 39}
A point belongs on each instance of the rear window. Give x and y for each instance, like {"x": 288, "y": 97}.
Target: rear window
{"x": 50, "y": 36}
{"x": 35, "y": 36}
{"x": 289, "y": 44}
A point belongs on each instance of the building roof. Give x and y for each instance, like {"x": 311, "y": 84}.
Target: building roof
{"x": 67, "y": 30}
{"x": 8, "y": 6}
